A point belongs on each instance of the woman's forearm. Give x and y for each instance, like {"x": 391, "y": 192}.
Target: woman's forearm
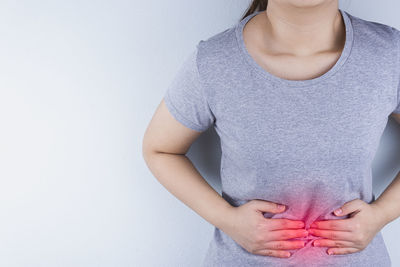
{"x": 389, "y": 201}
{"x": 180, "y": 177}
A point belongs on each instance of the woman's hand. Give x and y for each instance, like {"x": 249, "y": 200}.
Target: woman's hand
{"x": 352, "y": 234}
{"x": 247, "y": 225}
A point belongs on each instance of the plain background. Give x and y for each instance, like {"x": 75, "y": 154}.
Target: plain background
{"x": 80, "y": 81}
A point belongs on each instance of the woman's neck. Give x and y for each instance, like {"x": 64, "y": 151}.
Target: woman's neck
{"x": 303, "y": 31}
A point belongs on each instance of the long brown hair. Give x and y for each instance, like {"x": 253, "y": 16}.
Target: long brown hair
{"x": 256, "y": 5}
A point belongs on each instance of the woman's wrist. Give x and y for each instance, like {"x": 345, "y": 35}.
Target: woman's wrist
{"x": 381, "y": 213}
{"x": 388, "y": 203}
{"x": 227, "y": 217}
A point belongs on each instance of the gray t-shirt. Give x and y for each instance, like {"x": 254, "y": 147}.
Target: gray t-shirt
{"x": 307, "y": 144}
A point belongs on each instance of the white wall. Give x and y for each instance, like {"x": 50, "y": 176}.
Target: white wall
{"x": 79, "y": 82}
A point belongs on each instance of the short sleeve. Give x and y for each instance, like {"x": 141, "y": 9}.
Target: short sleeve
{"x": 185, "y": 97}
{"x": 397, "y": 38}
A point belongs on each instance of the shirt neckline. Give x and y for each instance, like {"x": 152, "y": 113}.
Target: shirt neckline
{"x": 270, "y": 77}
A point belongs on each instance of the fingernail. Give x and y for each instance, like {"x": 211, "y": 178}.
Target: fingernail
{"x": 338, "y": 211}
{"x": 281, "y": 207}
{"x": 288, "y": 254}
{"x": 315, "y": 243}
{"x": 330, "y": 252}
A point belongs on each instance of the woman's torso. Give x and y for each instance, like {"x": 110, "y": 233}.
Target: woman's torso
{"x": 307, "y": 144}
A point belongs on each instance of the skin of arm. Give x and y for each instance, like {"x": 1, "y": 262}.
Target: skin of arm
{"x": 165, "y": 155}
{"x": 389, "y": 200}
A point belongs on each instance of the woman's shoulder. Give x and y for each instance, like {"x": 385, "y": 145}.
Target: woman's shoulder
{"x": 220, "y": 38}
{"x": 218, "y": 54}
{"x": 218, "y": 46}
{"x": 373, "y": 30}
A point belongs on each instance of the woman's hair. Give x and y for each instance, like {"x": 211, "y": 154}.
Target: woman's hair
{"x": 256, "y": 5}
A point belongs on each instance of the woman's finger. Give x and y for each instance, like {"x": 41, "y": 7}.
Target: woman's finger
{"x": 286, "y": 234}
{"x": 332, "y": 243}
{"x": 333, "y": 251}
{"x": 332, "y": 234}
{"x": 276, "y": 224}
{"x": 281, "y": 244}
{"x": 273, "y": 253}
{"x": 337, "y": 224}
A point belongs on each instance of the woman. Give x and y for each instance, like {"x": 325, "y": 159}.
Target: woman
{"x": 299, "y": 94}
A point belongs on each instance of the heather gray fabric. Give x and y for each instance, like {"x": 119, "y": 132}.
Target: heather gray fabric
{"x": 308, "y": 144}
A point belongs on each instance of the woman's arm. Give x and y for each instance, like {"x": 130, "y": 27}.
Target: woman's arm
{"x": 389, "y": 201}
{"x": 165, "y": 145}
